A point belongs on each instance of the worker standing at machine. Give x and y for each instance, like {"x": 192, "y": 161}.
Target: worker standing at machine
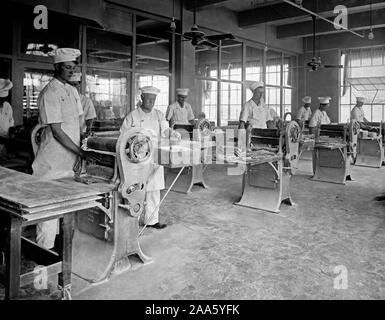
{"x": 89, "y": 113}
{"x": 320, "y": 116}
{"x": 357, "y": 112}
{"x": 180, "y": 112}
{"x": 6, "y": 113}
{"x": 59, "y": 110}
{"x": 254, "y": 111}
{"x": 304, "y": 113}
{"x": 146, "y": 117}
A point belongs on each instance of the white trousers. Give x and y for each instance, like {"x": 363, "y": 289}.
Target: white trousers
{"x": 152, "y": 201}
{"x": 46, "y": 232}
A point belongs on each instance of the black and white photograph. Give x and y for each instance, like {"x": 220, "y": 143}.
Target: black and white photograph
{"x": 192, "y": 155}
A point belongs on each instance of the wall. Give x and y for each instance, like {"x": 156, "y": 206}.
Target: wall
{"x": 320, "y": 83}
{"x": 327, "y": 81}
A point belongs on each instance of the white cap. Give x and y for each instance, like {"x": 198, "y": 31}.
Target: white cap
{"x": 5, "y": 86}
{"x": 182, "y": 92}
{"x": 254, "y": 85}
{"x": 150, "y": 90}
{"x": 360, "y": 99}
{"x": 324, "y": 100}
{"x": 76, "y": 77}
{"x": 64, "y": 55}
{"x": 306, "y": 99}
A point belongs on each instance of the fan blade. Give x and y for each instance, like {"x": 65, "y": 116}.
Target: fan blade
{"x": 333, "y": 66}
{"x": 205, "y": 42}
{"x": 222, "y": 36}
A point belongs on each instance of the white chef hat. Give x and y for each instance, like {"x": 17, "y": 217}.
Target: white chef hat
{"x": 182, "y": 92}
{"x": 306, "y": 99}
{"x": 64, "y": 55}
{"x": 5, "y": 86}
{"x": 360, "y": 99}
{"x": 256, "y": 84}
{"x": 150, "y": 90}
{"x": 324, "y": 100}
{"x": 76, "y": 77}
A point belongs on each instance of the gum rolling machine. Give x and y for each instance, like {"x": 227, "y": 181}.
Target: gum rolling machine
{"x": 118, "y": 173}
{"x": 199, "y": 137}
{"x": 370, "y": 151}
{"x": 333, "y": 151}
{"x": 269, "y": 167}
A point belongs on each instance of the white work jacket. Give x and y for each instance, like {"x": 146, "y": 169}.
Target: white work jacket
{"x": 156, "y": 123}
{"x": 179, "y": 114}
{"x": 256, "y": 115}
{"x": 319, "y": 117}
{"x": 58, "y": 103}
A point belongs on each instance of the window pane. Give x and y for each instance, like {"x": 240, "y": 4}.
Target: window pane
{"x": 345, "y": 113}
{"x": 107, "y": 49}
{"x": 109, "y": 93}
{"x": 377, "y": 113}
{"x": 273, "y": 68}
{"x": 206, "y": 92}
{"x": 33, "y": 83}
{"x": 287, "y": 100}
{"x": 206, "y": 63}
{"x": 254, "y": 64}
{"x": 62, "y": 32}
{"x": 152, "y": 45}
{"x": 273, "y": 97}
{"x": 231, "y": 60}
{"x": 231, "y": 102}
{"x": 159, "y": 81}
{"x": 288, "y": 63}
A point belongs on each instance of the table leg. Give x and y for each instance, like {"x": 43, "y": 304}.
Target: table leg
{"x": 12, "y": 258}
{"x": 65, "y": 251}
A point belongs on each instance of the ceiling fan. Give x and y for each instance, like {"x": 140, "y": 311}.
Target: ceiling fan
{"x": 199, "y": 39}
{"x": 316, "y": 62}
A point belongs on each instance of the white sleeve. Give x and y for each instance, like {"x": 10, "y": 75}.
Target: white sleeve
{"x": 127, "y": 123}
{"x": 299, "y": 114}
{"x": 314, "y": 121}
{"x": 244, "y": 116}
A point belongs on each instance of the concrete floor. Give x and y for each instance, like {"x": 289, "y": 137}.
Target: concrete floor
{"x": 215, "y": 250}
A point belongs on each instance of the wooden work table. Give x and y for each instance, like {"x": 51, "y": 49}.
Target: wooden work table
{"x": 26, "y": 200}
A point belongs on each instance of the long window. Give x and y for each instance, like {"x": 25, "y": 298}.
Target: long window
{"x": 363, "y": 75}
{"x": 238, "y": 65}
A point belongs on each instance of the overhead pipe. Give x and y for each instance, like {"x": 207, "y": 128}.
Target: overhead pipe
{"x": 321, "y": 17}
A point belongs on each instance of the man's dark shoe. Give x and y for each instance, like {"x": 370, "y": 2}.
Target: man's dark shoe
{"x": 157, "y": 225}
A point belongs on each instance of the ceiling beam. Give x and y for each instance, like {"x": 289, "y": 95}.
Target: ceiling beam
{"x": 205, "y": 4}
{"x": 281, "y": 11}
{"x": 356, "y": 21}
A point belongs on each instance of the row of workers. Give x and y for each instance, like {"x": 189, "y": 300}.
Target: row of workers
{"x": 258, "y": 115}
{"x": 60, "y": 107}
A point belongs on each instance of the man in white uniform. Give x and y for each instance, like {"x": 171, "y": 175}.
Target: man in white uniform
{"x": 6, "y": 113}
{"x": 89, "y": 113}
{"x": 180, "y": 112}
{"x": 320, "y": 116}
{"x": 304, "y": 113}
{"x": 254, "y": 111}
{"x": 357, "y": 112}
{"x": 59, "y": 110}
{"x": 154, "y": 120}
